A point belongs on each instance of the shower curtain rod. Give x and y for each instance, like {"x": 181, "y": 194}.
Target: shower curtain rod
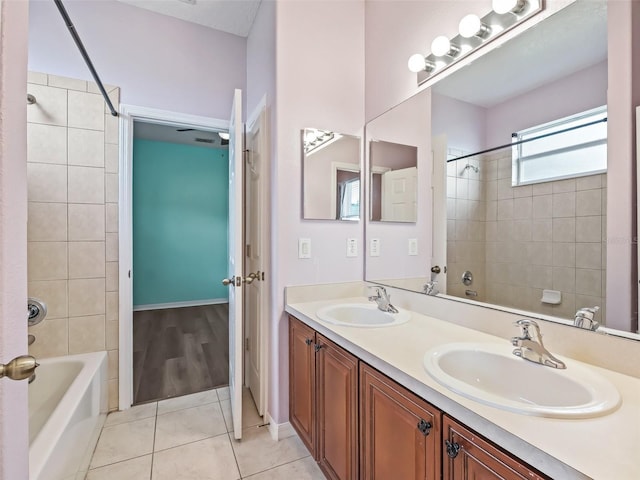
{"x": 519, "y": 142}
{"x": 85, "y": 55}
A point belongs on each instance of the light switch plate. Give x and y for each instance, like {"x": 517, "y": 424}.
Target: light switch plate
{"x": 304, "y": 248}
{"x": 352, "y": 247}
{"x": 374, "y": 247}
{"x": 413, "y": 247}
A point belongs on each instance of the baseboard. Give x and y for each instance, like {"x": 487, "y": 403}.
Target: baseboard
{"x": 193, "y": 303}
{"x": 279, "y": 431}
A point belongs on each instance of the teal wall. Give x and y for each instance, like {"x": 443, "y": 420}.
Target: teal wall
{"x": 180, "y": 225}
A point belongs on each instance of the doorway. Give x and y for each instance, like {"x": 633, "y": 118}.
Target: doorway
{"x": 180, "y": 200}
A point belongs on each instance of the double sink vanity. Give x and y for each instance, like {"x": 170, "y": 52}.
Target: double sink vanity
{"x": 401, "y": 394}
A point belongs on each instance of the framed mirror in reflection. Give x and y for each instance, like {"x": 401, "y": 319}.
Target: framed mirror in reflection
{"x": 522, "y": 227}
{"x": 331, "y": 183}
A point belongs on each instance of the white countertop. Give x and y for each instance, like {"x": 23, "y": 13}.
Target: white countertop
{"x": 600, "y": 448}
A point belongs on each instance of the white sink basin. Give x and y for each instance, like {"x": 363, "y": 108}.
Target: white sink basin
{"x": 361, "y": 315}
{"x": 491, "y": 374}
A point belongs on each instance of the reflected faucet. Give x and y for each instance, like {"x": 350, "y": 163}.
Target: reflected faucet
{"x": 431, "y": 288}
{"x": 382, "y": 298}
{"x": 585, "y": 318}
{"x": 529, "y": 345}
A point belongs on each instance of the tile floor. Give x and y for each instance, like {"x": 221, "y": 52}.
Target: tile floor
{"x": 190, "y": 438}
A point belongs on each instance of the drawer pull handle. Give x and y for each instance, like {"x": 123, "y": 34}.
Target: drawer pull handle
{"x": 424, "y": 427}
{"x": 308, "y": 341}
{"x": 452, "y": 448}
{"x": 317, "y": 347}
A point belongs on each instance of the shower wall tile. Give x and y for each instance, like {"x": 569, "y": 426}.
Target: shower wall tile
{"x": 86, "y": 334}
{"x": 86, "y": 260}
{"x": 589, "y": 255}
{"x": 54, "y": 294}
{"x": 52, "y": 338}
{"x": 111, "y": 158}
{"x": 522, "y": 207}
{"x": 589, "y": 183}
{"x": 111, "y": 187}
{"x": 589, "y": 282}
{"x": 46, "y": 183}
{"x": 112, "y": 367}
{"x": 564, "y": 279}
{"x": 112, "y": 335}
{"x": 590, "y": 229}
{"x": 68, "y": 83}
{"x": 86, "y": 110}
{"x": 46, "y": 144}
{"x": 86, "y": 185}
{"x": 37, "y": 78}
{"x": 541, "y": 189}
{"x": 564, "y": 204}
{"x": 111, "y": 132}
{"x": 112, "y": 306}
{"x": 562, "y": 186}
{"x": 112, "y": 278}
{"x": 542, "y": 206}
{"x": 564, "y": 254}
{"x": 564, "y": 229}
{"x": 112, "y": 247}
{"x": 86, "y": 297}
{"x": 542, "y": 230}
{"x": 50, "y": 107}
{"x": 47, "y": 222}
{"x": 86, "y": 147}
{"x": 86, "y": 222}
{"x": 589, "y": 202}
{"x": 112, "y": 217}
{"x": 46, "y": 261}
{"x": 522, "y": 191}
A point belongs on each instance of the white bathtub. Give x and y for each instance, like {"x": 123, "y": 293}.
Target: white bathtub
{"x": 67, "y": 408}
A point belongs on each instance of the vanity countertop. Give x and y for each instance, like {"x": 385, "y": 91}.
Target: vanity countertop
{"x": 600, "y": 448}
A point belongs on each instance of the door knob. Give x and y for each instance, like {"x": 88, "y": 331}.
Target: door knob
{"x": 435, "y": 269}
{"x": 229, "y": 281}
{"x": 19, "y": 368}
{"x": 249, "y": 278}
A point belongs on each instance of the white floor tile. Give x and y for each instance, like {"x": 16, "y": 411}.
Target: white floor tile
{"x": 257, "y": 451}
{"x": 303, "y": 469}
{"x": 132, "y": 414}
{"x": 123, "y": 442}
{"x": 223, "y": 393}
{"x": 210, "y": 459}
{"x": 187, "y": 401}
{"x": 189, "y": 425}
{"x": 250, "y": 417}
{"x": 134, "y": 469}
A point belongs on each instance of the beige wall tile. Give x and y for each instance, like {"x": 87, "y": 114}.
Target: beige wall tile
{"x": 112, "y": 217}
{"x": 542, "y": 230}
{"x": 112, "y": 335}
{"x": 561, "y": 186}
{"x": 86, "y": 260}
{"x": 564, "y": 279}
{"x": 564, "y": 254}
{"x": 46, "y": 183}
{"x": 589, "y": 183}
{"x": 112, "y": 279}
{"x": 86, "y": 147}
{"x": 112, "y": 306}
{"x": 542, "y": 189}
{"x": 522, "y": 191}
{"x": 540, "y": 253}
{"x": 504, "y": 168}
{"x": 589, "y": 229}
{"x": 68, "y": 83}
{"x": 113, "y": 395}
{"x": 54, "y": 294}
{"x": 589, "y": 202}
{"x": 113, "y": 364}
{"x": 111, "y": 187}
{"x": 564, "y": 204}
{"x": 46, "y": 144}
{"x": 86, "y": 334}
{"x": 522, "y": 207}
{"x": 50, "y": 107}
{"x": 589, "y": 282}
{"x": 92, "y": 87}
{"x": 588, "y": 255}
{"x": 111, "y": 132}
{"x": 114, "y": 96}
{"x": 86, "y": 222}
{"x": 37, "y": 78}
{"x": 540, "y": 276}
{"x": 564, "y": 229}
{"x": 86, "y": 185}
{"x": 86, "y": 297}
{"x": 86, "y": 110}
{"x": 112, "y": 247}
{"x": 52, "y": 338}
{"x": 504, "y": 189}
{"x": 522, "y": 231}
{"x": 111, "y": 158}
{"x": 542, "y": 206}
{"x": 47, "y": 261}
{"x": 47, "y": 222}
{"x": 505, "y": 209}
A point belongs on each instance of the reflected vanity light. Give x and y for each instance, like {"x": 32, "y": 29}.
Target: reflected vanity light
{"x": 474, "y": 32}
{"x": 224, "y": 135}
{"x": 314, "y": 139}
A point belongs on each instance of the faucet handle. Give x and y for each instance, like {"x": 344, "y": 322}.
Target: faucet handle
{"x": 525, "y": 324}
{"x": 587, "y": 312}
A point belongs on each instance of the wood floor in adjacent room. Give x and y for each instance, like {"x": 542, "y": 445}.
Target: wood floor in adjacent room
{"x": 178, "y": 351}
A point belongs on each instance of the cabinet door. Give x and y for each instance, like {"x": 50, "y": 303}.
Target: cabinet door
{"x": 468, "y": 456}
{"x": 400, "y": 432}
{"x": 337, "y": 400}
{"x": 302, "y": 381}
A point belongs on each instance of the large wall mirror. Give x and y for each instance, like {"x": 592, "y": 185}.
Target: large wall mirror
{"x": 331, "y": 175}
{"x": 522, "y": 226}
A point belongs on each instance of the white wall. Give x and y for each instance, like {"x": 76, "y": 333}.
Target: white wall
{"x": 320, "y": 82}
{"x": 158, "y": 61}
{"x": 14, "y": 436}
{"x": 463, "y": 123}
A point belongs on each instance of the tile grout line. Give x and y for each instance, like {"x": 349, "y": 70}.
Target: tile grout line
{"x": 276, "y": 466}
{"x": 153, "y": 446}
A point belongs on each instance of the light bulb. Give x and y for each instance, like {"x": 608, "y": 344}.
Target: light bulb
{"x": 224, "y": 135}
{"x": 440, "y": 46}
{"x": 470, "y": 26}
{"x": 310, "y": 136}
{"x": 505, "y": 6}
{"x": 416, "y": 63}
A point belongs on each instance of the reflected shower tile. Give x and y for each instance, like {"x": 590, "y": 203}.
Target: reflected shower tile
{"x": 47, "y": 222}
{"x": 589, "y": 183}
{"x": 46, "y": 144}
{"x": 564, "y": 204}
{"x": 86, "y": 185}
{"x": 589, "y": 229}
{"x": 54, "y": 294}
{"x": 561, "y": 186}
{"x": 86, "y": 260}
{"x": 86, "y": 297}
{"x": 564, "y": 279}
{"x": 542, "y": 230}
{"x": 86, "y": 147}
{"x": 47, "y": 261}
{"x": 47, "y": 183}
{"x": 52, "y": 338}
{"x": 564, "y": 229}
{"x": 50, "y": 107}
{"x": 542, "y": 206}
{"x": 589, "y": 282}
{"x": 67, "y": 83}
{"x": 86, "y": 334}
{"x": 589, "y": 202}
{"x": 86, "y": 222}
{"x": 588, "y": 255}
{"x": 86, "y": 110}
{"x": 564, "y": 254}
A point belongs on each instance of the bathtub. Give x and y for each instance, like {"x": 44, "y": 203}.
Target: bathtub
{"x": 67, "y": 408}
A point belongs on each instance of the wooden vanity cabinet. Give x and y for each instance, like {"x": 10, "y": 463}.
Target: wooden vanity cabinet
{"x": 400, "y": 432}
{"x": 323, "y": 400}
{"x": 468, "y": 456}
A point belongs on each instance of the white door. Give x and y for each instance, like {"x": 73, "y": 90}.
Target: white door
{"x": 399, "y": 195}
{"x": 256, "y": 235}
{"x": 235, "y": 271}
{"x": 439, "y": 192}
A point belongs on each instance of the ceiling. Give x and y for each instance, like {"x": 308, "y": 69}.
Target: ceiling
{"x": 231, "y": 16}
{"x": 171, "y": 134}
{"x": 568, "y": 41}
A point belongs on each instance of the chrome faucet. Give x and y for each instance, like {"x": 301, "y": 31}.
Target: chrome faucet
{"x": 382, "y": 298}
{"x": 529, "y": 345}
{"x": 585, "y": 318}
{"x": 431, "y": 288}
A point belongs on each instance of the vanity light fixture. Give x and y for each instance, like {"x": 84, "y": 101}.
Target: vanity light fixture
{"x": 471, "y": 26}
{"x": 474, "y": 32}
{"x": 314, "y": 138}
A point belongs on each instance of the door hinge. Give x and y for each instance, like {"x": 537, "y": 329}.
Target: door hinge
{"x": 248, "y": 251}
{"x": 129, "y": 274}
{"x": 246, "y": 344}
